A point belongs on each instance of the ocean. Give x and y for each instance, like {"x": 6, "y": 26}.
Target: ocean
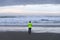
{"x": 41, "y": 24}
{"x": 36, "y": 20}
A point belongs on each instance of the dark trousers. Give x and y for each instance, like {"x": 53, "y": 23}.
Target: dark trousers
{"x": 29, "y": 30}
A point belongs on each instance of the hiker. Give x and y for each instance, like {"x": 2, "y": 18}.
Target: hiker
{"x": 29, "y": 27}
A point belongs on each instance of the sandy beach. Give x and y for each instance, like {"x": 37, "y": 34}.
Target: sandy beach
{"x": 26, "y": 36}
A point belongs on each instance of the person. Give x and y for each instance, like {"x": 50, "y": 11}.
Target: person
{"x": 29, "y": 27}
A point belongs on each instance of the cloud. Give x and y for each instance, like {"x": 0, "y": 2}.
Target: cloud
{"x": 31, "y": 9}
{"x": 26, "y": 2}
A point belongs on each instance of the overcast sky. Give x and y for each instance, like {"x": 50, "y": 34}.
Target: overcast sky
{"x": 30, "y": 7}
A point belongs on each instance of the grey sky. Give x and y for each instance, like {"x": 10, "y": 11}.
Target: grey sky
{"x": 30, "y": 7}
{"x": 25, "y": 2}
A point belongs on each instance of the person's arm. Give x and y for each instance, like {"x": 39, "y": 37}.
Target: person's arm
{"x": 31, "y": 25}
{"x": 28, "y": 25}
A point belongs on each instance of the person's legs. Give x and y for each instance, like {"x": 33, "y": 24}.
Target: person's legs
{"x": 29, "y": 31}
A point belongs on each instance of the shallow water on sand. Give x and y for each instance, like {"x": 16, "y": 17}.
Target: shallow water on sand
{"x": 34, "y": 29}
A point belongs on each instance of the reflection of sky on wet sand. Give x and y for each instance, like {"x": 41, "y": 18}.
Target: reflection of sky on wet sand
{"x": 34, "y": 29}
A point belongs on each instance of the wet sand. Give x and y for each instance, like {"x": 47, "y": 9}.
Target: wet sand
{"x": 26, "y": 36}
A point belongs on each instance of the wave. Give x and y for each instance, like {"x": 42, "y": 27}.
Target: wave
{"x": 25, "y": 19}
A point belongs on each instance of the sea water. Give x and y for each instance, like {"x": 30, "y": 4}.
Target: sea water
{"x": 23, "y": 20}
{"x": 36, "y": 20}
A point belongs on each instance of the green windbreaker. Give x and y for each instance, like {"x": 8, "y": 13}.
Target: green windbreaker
{"x": 29, "y": 25}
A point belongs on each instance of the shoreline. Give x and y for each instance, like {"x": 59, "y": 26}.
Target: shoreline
{"x": 33, "y": 25}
